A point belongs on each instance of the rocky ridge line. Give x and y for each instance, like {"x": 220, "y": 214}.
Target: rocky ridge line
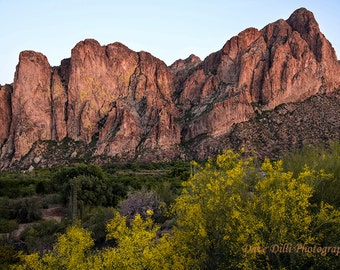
{"x": 114, "y": 103}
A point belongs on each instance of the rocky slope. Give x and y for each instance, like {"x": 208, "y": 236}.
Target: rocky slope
{"x": 272, "y": 133}
{"x": 111, "y": 103}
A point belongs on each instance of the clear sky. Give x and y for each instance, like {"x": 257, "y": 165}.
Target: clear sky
{"x": 169, "y": 30}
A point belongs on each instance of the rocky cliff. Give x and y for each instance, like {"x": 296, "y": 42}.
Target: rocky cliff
{"x": 111, "y": 103}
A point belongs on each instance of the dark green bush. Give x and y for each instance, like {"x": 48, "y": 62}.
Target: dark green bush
{"x": 95, "y": 220}
{"x": 325, "y": 158}
{"x": 8, "y": 225}
{"x": 27, "y": 209}
{"x": 42, "y": 236}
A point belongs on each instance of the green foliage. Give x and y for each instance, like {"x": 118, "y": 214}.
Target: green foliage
{"x": 93, "y": 187}
{"x": 40, "y": 188}
{"x": 166, "y": 192}
{"x": 64, "y": 174}
{"x": 27, "y": 209}
{"x": 95, "y": 220}
{"x": 42, "y": 235}
{"x": 319, "y": 158}
{"x": 148, "y": 175}
{"x": 230, "y": 214}
{"x": 14, "y": 186}
{"x": 94, "y": 191}
{"x": 25, "y": 184}
{"x": 5, "y": 211}
{"x": 8, "y": 225}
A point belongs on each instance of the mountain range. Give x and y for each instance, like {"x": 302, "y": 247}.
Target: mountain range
{"x": 268, "y": 90}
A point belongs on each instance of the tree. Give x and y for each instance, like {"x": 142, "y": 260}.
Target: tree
{"x": 140, "y": 202}
{"x": 232, "y": 215}
{"x": 213, "y": 221}
{"x": 72, "y": 251}
{"x": 140, "y": 245}
{"x": 282, "y": 206}
{"x": 85, "y": 186}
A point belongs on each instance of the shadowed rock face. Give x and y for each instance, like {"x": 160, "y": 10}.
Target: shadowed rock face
{"x": 129, "y": 105}
{"x": 5, "y": 112}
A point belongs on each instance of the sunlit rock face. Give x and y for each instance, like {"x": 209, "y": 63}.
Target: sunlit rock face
{"x": 121, "y": 99}
{"x": 286, "y": 61}
{"x": 127, "y": 105}
{"x": 30, "y": 103}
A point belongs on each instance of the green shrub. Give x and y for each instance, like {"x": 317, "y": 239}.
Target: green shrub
{"x": 325, "y": 158}
{"x": 27, "y": 209}
{"x": 8, "y": 225}
{"x": 95, "y": 220}
{"x": 42, "y": 235}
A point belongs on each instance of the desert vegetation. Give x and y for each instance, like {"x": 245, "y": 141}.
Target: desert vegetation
{"x": 229, "y": 212}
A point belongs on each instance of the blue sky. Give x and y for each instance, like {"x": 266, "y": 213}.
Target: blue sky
{"x": 169, "y": 30}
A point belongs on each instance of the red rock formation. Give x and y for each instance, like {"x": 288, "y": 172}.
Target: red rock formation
{"x": 302, "y": 60}
{"x": 130, "y": 105}
{"x": 122, "y": 97}
{"x": 31, "y": 103}
{"x": 98, "y": 76}
{"x": 287, "y": 61}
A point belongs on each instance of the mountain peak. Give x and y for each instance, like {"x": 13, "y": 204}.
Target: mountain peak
{"x": 180, "y": 64}
{"x": 303, "y": 21}
{"x": 125, "y": 105}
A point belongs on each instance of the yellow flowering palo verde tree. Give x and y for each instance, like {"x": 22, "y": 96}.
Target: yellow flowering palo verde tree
{"x": 135, "y": 243}
{"x": 72, "y": 251}
{"x": 213, "y": 221}
{"x": 233, "y": 214}
{"x": 282, "y": 207}
{"x": 140, "y": 245}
